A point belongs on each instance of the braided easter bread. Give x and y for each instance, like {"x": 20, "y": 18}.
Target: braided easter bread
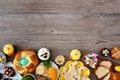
{"x": 25, "y": 61}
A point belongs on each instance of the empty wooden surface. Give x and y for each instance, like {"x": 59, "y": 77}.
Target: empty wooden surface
{"x": 60, "y": 25}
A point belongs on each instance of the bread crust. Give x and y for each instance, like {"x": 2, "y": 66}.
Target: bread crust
{"x": 30, "y": 55}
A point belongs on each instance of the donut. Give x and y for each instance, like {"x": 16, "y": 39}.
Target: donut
{"x": 25, "y": 61}
{"x": 9, "y": 71}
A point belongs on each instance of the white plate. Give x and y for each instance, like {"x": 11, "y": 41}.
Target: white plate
{"x": 54, "y": 66}
{"x": 4, "y": 59}
{"x": 17, "y": 75}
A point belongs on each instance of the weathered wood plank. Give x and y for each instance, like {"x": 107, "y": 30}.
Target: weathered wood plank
{"x": 60, "y": 6}
{"x": 26, "y": 24}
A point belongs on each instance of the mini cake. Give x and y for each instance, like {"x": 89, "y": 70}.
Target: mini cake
{"x": 91, "y": 59}
{"x": 115, "y": 53}
{"x": 75, "y": 54}
{"x": 60, "y": 60}
{"x": 25, "y": 61}
{"x": 44, "y": 54}
{"x": 9, "y": 71}
{"x": 8, "y": 49}
{"x": 1, "y": 76}
{"x": 105, "y": 52}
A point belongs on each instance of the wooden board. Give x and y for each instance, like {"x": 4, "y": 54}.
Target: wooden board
{"x": 60, "y": 25}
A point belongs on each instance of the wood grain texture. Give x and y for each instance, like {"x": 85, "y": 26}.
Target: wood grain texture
{"x": 60, "y": 25}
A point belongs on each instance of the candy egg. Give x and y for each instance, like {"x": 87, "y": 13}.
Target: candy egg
{"x": 117, "y": 68}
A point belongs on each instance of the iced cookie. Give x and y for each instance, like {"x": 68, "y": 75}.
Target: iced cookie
{"x": 90, "y": 59}
{"x": 60, "y": 60}
{"x": 8, "y": 49}
{"x": 75, "y": 54}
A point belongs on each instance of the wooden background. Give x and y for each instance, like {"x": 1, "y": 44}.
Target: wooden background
{"x": 60, "y": 25}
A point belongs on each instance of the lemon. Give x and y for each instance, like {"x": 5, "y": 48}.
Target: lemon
{"x": 85, "y": 72}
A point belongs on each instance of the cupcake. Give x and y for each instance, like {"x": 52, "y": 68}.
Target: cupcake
{"x": 105, "y": 52}
{"x": 44, "y": 54}
{"x": 75, "y": 54}
{"x": 91, "y": 59}
{"x": 8, "y": 49}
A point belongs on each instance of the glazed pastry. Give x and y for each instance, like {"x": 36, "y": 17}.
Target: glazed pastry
{"x": 60, "y": 60}
{"x": 91, "y": 59}
{"x": 8, "y": 49}
{"x": 1, "y": 76}
{"x": 44, "y": 54}
{"x": 25, "y": 61}
{"x": 115, "y": 53}
{"x": 7, "y": 79}
{"x": 9, "y": 71}
{"x": 105, "y": 52}
{"x": 75, "y": 54}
